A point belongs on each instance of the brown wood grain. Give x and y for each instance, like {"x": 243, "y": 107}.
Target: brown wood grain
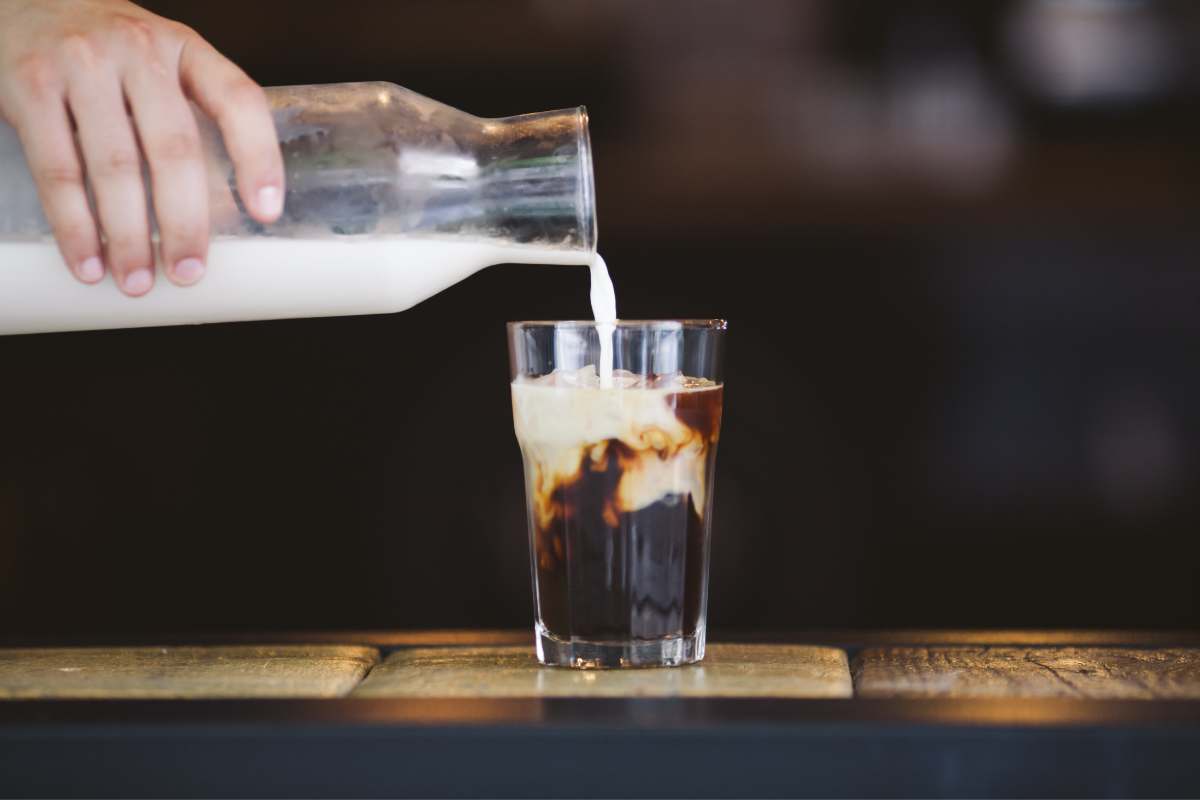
{"x": 184, "y": 672}
{"x": 729, "y": 670}
{"x": 1083, "y": 672}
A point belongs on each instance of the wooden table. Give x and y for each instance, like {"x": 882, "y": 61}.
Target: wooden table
{"x": 439, "y": 713}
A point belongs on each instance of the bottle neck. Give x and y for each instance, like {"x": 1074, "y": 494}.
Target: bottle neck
{"x": 536, "y": 180}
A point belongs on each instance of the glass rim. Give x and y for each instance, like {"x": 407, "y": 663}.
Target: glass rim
{"x": 690, "y": 324}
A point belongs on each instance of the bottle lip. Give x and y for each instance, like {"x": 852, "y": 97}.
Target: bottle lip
{"x": 587, "y": 184}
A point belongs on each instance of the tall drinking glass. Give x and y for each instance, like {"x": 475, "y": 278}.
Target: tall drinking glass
{"x": 619, "y": 485}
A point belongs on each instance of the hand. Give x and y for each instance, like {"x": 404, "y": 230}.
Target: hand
{"x": 122, "y": 77}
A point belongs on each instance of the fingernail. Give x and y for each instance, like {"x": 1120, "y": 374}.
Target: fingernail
{"x": 270, "y": 201}
{"x": 189, "y": 270}
{"x": 91, "y": 270}
{"x": 138, "y": 281}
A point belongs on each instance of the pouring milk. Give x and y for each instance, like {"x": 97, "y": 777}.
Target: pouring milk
{"x": 390, "y": 198}
{"x": 604, "y": 310}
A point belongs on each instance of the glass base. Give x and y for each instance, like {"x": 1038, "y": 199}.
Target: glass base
{"x": 581, "y": 654}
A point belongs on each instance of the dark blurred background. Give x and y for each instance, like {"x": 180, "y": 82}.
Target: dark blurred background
{"x": 955, "y": 244}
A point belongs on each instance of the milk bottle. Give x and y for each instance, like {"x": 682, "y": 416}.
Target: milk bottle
{"x": 391, "y": 197}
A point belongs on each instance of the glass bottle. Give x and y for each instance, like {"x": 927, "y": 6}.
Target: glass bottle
{"x": 390, "y": 198}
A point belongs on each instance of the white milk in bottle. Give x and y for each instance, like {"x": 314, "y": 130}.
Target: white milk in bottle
{"x": 255, "y": 278}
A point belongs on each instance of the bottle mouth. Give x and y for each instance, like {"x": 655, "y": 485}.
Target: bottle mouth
{"x": 588, "y": 225}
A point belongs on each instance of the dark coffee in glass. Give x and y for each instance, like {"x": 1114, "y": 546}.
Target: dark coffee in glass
{"x": 619, "y": 487}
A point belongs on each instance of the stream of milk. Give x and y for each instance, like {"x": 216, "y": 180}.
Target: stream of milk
{"x": 604, "y": 310}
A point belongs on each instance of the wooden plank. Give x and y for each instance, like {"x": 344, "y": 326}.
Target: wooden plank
{"x": 728, "y": 670}
{"x": 855, "y": 639}
{"x": 1086, "y": 672}
{"x": 184, "y": 672}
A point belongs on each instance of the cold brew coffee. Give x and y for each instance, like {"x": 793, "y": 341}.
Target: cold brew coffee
{"x": 619, "y": 487}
